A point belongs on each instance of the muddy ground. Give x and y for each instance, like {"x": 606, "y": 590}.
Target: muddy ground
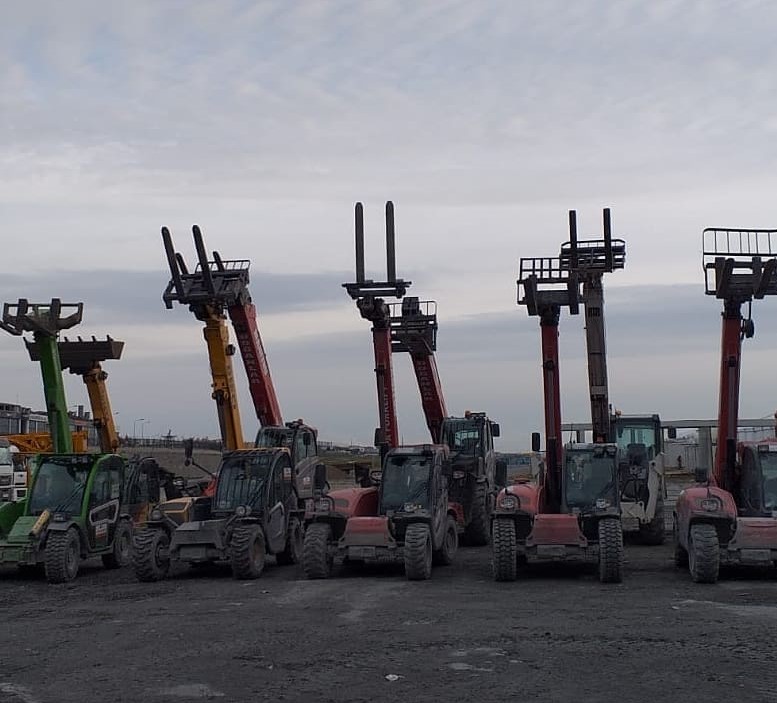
{"x": 556, "y": 635}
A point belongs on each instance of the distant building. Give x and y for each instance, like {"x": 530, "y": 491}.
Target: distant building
{"x": 16, "y": 419}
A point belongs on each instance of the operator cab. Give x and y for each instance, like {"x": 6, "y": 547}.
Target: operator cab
{"x": 297, "y": 437}
{"x": 643, "y": 433}
{"x": 60, "y": 483}
{"x": 590, "y": 479}
{"x": 252, "y": 481}
{"x": 639, "y": 441}
{"x": 757, "y": 484}
{"x": 469, "y": 435}
{"x": 6, "y": 453}
{"x": 409, "y": 478}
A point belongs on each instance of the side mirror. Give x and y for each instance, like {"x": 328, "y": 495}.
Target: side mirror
{"x": 500, "y": 475}
{"x": 447, "y": 468}
{"x": 700, "y": 474}
{"x": 188, "y": 450}
{"x": 380, "y": 440}
{"x": 535, "y": 441}
{"x": 306, "y": 439}
{"x": 319, "y": 478}
{"x": 495, "y": 429}
{"x": 671, "y": 432}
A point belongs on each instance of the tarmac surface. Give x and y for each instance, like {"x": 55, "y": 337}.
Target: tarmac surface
{"x": 557, "y": 634}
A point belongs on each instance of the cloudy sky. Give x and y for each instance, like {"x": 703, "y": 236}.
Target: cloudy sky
{"x": 264, "y": 122}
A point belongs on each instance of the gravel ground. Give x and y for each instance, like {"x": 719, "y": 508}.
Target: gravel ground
{"x": 555, "y": 635}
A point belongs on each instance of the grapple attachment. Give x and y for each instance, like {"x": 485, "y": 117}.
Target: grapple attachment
{"x": 43, "y": 318}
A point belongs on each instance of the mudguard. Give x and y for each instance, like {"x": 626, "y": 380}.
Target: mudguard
{"x": 527, "y": 497}
{"x": 694, "y": 505}
{"x": 355, "y": 502}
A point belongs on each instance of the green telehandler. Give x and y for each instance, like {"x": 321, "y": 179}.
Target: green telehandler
{"x": 77, "y": 506}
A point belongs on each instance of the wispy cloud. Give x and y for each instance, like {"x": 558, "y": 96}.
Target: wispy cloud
{"x": 265, "y": 121}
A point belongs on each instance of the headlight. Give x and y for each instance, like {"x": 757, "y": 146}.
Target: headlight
{"x": 602, "y": 503}
{"x": 5, "y": 495}
{"x": 156, "y": 515}
{"x": 242, "y": 510}
{"x": 323, "y": 506}
{"x": 410, "y": 507}
{"x": 59, "y": 517}
{"x": 509, "y": 502}
{"x": 711, "y": 504}
{"x": 458, "y": 475}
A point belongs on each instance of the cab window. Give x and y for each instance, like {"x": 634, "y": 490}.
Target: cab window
{"x": 107, "y": 483}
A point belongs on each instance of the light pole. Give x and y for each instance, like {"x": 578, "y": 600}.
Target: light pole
{"x": 145, "y": 422}
{"x": 135, "y": 427}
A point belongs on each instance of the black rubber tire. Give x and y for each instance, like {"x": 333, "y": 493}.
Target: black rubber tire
{"x": 292, "y": 552}
{"x": 122, "y": 547}
{"x": 151, "y": 555}
{"x": 504, "y": 548}
{"x": 450, "y": 542}
{"x": 680, "y": 553}
{"x": 654, "y": 532}
{"x": 62, "y": 555}
{"x": 703, "y": 553}
{"x": 317, "y": 558}
{"x": 477, "y": 532}
{"x": 610, "y": 550}
{"x": 247, "y": 551}
{"x": 418, "y": 552}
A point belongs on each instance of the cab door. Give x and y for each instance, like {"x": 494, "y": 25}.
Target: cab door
{"x": 105, "y": 495}
{"x": 276, "y": 508}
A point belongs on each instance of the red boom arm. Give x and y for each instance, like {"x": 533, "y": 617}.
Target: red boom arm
{"x": 728, "y": 407}
{"x": 430, "y": 388}
{"x": 268, "y": 409}
{"x": 387, "y": 409}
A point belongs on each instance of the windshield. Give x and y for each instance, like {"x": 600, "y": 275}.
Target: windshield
{"x": 769, "y": 470}
{"x": 588, "y": 478}
{"x": 274, "y": 437}
{"x": 241, "y": 481}
{"x": 405, "y": 479}
{"x": 59, "y": 486}
{"x": 635, "y": 435}
{"x": 462, "y": 436}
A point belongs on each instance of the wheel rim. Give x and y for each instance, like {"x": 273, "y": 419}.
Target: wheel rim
{"x": 158, "y": 553}
{"x": 124, "y": 546}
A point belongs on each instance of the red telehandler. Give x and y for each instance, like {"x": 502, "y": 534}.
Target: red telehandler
{"x": 731, "y": 516}
{"x": 401, "y": 513}
{"x": 573, "y": 510}
{"x": 470, "y": 439}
